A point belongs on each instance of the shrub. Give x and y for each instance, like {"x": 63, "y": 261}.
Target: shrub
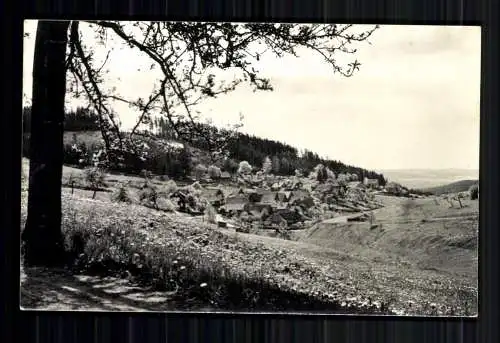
{"x": 121, "y": 194}
{"x": 244, "y": 168}
{"x": 148, "y": 196}
{"x": 474, "y": 191}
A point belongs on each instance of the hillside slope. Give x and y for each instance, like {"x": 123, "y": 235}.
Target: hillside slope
{"x": 454, "y": 187}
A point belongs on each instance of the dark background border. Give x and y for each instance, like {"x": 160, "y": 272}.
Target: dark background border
{"x": 121, "y": 327}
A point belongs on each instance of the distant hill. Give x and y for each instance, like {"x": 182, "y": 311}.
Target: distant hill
{"x": 454, "y": 187}
{"x": 428, "y": 178}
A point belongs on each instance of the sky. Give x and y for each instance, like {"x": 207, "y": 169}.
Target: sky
{"x": 414, "y": 103}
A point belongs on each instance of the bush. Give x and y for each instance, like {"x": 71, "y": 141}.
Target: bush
{"x": 169, "y": 188}
{"x": 244, "y": 168}
{"x": 148, "y": 196}
{"x": 121, "y": 194}
{"x": 474, "y": 191}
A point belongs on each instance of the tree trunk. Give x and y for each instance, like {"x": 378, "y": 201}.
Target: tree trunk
{"x": 42, "y": 237}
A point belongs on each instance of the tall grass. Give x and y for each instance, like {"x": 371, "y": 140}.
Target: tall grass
{"x": 188, "y": 265}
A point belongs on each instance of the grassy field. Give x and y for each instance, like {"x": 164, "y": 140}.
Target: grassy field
{"x": 420, "y": 259}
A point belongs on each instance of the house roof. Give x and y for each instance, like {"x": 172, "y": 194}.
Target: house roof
{"x": 237, "y": 199}
{"x": 234, "y": 207}
{"x": 285, "y": 195}
{"x": 268, "y": 197}
{"x": 300, "y": 194}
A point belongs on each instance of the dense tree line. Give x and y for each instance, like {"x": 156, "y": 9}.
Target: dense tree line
{"x": 285, "y": 159}
{"x": 79, "y": 119}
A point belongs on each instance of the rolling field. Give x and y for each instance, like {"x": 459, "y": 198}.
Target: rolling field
{"x": 420, "y": 258}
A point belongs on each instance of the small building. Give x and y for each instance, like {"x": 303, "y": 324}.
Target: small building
{"x": 283, "y": 196}
{"x": 268, "y": 197}
{"x": 232, "y": 209}
{"x": 226, "y": 176}
{"x": 371, "y": 183}
{"x": 233, "y": 205}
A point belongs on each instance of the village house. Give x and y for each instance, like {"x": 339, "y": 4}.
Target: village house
{"x": 268, "y": 197}
{"x": 301, "y": 198}
{"x": 371, "y": 183}
{"x": 234, "y": 205}
{"x": 225, "y": 176}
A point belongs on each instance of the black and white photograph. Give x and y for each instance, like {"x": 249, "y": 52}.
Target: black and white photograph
{"x": 250, "y": 168}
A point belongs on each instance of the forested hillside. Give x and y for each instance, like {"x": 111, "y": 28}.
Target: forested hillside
{"x": 241, "y": 147}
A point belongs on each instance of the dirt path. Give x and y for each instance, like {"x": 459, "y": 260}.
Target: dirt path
{"x": 57, "y": 290}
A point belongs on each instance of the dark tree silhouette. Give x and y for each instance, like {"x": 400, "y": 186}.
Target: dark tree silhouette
{"x": 42, "y": 237}
{"x": 185, "y": 54}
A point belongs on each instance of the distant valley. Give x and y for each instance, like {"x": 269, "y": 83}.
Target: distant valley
{"x": 426, "y": 178}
